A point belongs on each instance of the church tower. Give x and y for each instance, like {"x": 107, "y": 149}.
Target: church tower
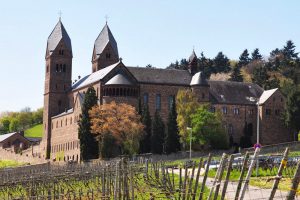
{"x": 193, "y": 63}
{"x": 58, "y": 79}
{"x": 105, "y": 51}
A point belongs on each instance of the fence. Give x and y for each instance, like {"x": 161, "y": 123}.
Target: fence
{"x": 206, "y": 177}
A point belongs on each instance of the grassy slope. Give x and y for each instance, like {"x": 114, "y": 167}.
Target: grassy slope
{"x": 35, "y": 131}
{"x": 9, "y": 163}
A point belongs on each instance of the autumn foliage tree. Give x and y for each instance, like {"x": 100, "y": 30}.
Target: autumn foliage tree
{"x": 121, "y": 122}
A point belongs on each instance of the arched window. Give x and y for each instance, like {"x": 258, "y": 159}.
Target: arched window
{"x": 57, "y": 124}
{"x": 64, "y": 68}
{"x": 71, "y": 120}
{"x": 60, "y": 68}
{"x": 117, "y": 93}
{"x": 47, "y": 68}
{"x": 113, "y": 92}
{"x": 56, "y": 68}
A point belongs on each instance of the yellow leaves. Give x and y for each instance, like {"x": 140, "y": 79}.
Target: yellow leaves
{"x": 121, "y": 120}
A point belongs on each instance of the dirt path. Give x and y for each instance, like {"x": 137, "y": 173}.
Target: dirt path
{"x": 252, "y": 193}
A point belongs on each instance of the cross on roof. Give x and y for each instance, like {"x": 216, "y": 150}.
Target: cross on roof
{"x": 59, "y": 13}
{"x": 106, "y": 18}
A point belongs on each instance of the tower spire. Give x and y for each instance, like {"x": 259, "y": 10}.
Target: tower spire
{"x": 106, "y": 19}
{"x": 59, "y": 14}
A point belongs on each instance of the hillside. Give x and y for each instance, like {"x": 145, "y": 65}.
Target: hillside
{"x": 35, "y": 131}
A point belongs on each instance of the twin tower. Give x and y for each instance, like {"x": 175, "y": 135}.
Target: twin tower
{"x": 58, "y": 75}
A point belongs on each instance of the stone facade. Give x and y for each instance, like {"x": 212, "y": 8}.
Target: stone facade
{"x": 113, "y": 81}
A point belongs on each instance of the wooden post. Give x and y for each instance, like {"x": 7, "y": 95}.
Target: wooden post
{"x": 219, "y": 176}
{"x": 279, "y": 174}
{"x": 180, "y": 182}
{"x": 131, "y": 181}
{"x": 197, "y": 179}
{"x": 227, "y": 177}
{"x": 205, "y": 176}
{"x": 185, "y": 180}
{"x": 239, "y": 186}
{"x": 191, "y": 181}
{"x": 295, "y": 183}
{"x": 249, "y": 173}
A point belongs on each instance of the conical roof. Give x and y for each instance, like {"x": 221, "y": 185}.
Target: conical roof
{"x": 198, "y": 79}
{"x": 104, "y": 38}
{"x": 192, "y": 56}
{"x": 59, "y": 33}
{"x": 118, "y": 79}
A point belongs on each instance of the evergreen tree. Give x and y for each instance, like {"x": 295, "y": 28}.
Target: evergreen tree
{"x": 221, "y": 63}
{"x": 260, "y": 76}
{"x": 88, "y": 145}
{"x": 205, "y": 65}
{"x": 289, "y": 51}
{"x": 256, "y": 55}
{"x": 172, "y": 137}
{"x": 236, "y": 74}
{"x": 292, "y": 112}
{"x": 244, "y": 59}
{"x": 145, "y": 143}
{"x": 158, "y": 134}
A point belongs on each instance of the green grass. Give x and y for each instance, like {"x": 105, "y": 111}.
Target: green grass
{"x": 35, "y": 131}
{"x": 9, "y": 163}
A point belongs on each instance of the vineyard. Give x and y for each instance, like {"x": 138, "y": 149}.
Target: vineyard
{"x": 248, "y": 176}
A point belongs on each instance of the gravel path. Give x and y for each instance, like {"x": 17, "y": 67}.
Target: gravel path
{"x": 252, "y": 193}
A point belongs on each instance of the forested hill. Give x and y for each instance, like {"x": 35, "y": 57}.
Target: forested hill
{"x": 280, "y": 69}
{"x": 20, "y": 121}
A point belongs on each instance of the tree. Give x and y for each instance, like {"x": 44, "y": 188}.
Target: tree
{"x": 14, "y": 125}
{"x": 289, "y": 51}
{"x": 205, "y": 65}
{"x": 5, "y": 124}
{"x": 207, "y": 128}
{"x": 145, "y": 143}
{"x": 158, "y": 135}
{"x": 255, "y": 56}
{"x": 244, "y": 59}
{"x": 260, "y": 76}
{"x": 292, "y": 111}
{"x": 88, "y": 144}
{"x": 236, "y": 74}
{"x": 221, "y": 63}
{"x": 121, "y": 121}
{"x": 172, "y": 140}
{"x": 149, "y": 66}
{"x": 186, "y": 105}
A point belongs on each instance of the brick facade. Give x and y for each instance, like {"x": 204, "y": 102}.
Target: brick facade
{"x": 156, "y": 87}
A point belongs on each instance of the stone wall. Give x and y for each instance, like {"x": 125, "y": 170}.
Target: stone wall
{"x": 25, "y": 157}
{"x": 272, "y": 125}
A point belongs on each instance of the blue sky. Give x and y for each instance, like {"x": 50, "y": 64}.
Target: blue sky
{"x": 147, "y": 31}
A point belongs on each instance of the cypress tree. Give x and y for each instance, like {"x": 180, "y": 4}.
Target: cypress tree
{"x": 172, "y": 137}
{"x": 145, "y": 143}
{"x": 158, "y": 134}
{"x": 88, "y": 144}
{"x": 244, "y": 58}
{"x": 236, "y": 74}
